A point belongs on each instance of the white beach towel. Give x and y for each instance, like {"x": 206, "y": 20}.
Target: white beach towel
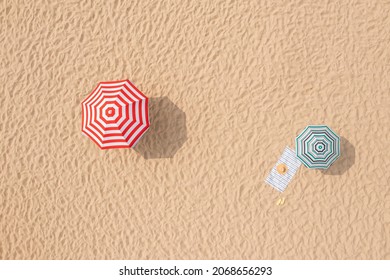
{"x": 278, "y": 180}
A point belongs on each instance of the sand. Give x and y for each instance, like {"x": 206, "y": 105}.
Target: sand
{"x": 231, "y": 84}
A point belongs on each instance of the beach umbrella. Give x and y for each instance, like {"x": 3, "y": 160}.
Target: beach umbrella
{"x": 115, "y": 115}
{"x": 317, "y": 146}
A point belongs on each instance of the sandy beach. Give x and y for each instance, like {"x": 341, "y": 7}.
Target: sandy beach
{"x": 231, "y": 84}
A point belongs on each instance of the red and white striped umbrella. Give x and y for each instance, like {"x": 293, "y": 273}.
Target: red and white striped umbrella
{"x": 115, "y": 115}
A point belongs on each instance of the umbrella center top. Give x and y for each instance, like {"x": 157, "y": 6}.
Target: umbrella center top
{"x": 320, "y": 147}
{"x": 110, "y": 112}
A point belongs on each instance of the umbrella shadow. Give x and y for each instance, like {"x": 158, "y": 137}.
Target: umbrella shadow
{"x": 345, "y": 161}
{"x": 167, "y": 132}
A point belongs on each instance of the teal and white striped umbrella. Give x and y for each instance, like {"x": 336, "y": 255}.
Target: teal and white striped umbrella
{"x": 317, "y": 146}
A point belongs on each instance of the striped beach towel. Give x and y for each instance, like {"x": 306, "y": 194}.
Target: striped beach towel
{"x": 284, "y": 170}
